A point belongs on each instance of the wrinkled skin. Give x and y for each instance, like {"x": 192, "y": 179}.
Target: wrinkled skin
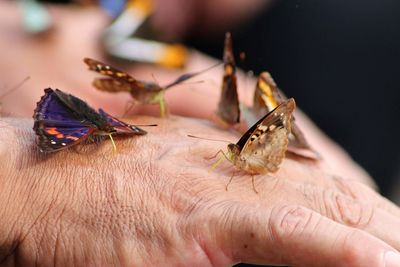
{"x": 154, "y": 203}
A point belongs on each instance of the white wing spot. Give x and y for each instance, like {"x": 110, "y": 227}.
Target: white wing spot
{"x": 63, "y": 144}
{"x": 53, "y": 142}
{"x": 263, "y": 128}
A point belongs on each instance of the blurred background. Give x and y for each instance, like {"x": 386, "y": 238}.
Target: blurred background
{"x": 338, "y": 59}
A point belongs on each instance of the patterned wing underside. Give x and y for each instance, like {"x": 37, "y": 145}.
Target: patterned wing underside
{"x": 109, "y": 71}
{"x": 265, "y": 148}
{"x": 111, "y": 85}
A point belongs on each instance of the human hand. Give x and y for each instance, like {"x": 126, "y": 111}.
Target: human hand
{"x": 176, "y": 18}
{"x": 154, "y": 203}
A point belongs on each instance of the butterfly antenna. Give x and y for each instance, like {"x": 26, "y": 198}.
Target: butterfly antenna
{"x": 128, "y": 107}
{"x": 216, "y": 140}
{"x": 146, "y": 125}
{"x": 155, "y": 79}
{"x": 15, "y": 87}
{"x": 187, "y": 76}
{"x": 194, "y": 82}
{"x": 113, "y": 143}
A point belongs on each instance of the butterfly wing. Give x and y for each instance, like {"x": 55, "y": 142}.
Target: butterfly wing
{"x": 264, "y": 145}
{"x": 119, "y": 81}
{"x": 111, "y": 85}
{"x": 228, "y": 106}
{"x": 109, "y": 71}
{"x": 56, "y": 125}
{"x": 267, "y": 96}
{"x": 120, "y": 126}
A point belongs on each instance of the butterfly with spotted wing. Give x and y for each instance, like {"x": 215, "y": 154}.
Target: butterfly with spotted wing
{"x": 262, "y": 148}
{"x": 141, "y": 91}
{"x": 62, "y": 120}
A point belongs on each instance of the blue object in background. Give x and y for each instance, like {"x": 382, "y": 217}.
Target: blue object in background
{"x": 113, "y": 7}
{"x": 36, "y": 19}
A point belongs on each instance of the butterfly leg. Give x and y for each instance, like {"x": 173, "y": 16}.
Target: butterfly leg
{"x": 216, "y": 154}
{"x": 230, "y": 180}
{"x": 161, "y": 103}
{"x": 113, "y": 143}
{"x": 254, "y": 187}
{"x": 215, "y": 165}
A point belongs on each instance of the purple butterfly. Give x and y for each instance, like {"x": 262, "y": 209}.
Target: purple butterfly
{"x": 63, "y": 120}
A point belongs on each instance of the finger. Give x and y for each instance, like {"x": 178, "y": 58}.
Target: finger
{"x": 363, "y": 193}
{"x": 298, "y": 236}
{"x": 361, "y": 214}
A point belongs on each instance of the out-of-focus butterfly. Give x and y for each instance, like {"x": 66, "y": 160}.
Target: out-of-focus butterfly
{"x": 267, "y": 96}
{"x": 141, "y": 91}
{"x": 228, "y": 106}
{"x": 262, "y": 148}
{"x": 62, "y": 120}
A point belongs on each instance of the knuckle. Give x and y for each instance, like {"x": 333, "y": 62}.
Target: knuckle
{"x": 289, "y": 222}
{"x": 338, "y": 207}
{"x": 352, "y": 212}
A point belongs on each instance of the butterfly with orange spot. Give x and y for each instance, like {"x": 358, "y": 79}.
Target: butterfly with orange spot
{"x": 62, "y": 120}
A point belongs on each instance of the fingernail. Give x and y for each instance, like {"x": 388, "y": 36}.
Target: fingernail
{"x": 392, "y": 259}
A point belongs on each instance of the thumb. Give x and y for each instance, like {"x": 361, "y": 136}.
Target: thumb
{"x": 298, "y": 236}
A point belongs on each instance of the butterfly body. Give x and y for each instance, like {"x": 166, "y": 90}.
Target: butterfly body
{"x": 228, "y": 106}
{"x": 62, "y": 120}
{"x": 262, "y": 148}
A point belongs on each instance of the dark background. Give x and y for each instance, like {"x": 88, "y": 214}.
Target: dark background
{"x": 340, "y": 61}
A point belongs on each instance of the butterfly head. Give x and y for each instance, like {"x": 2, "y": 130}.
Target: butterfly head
{"x": 105, "y": 129}
{"x": 233, "y": 152}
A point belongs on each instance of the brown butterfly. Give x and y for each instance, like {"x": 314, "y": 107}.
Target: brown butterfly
{"x": 228, "y": 106}
{"x": 141, "y": 91}
{"x": 267, "y": 96}
{"x": 262, "y": 148}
